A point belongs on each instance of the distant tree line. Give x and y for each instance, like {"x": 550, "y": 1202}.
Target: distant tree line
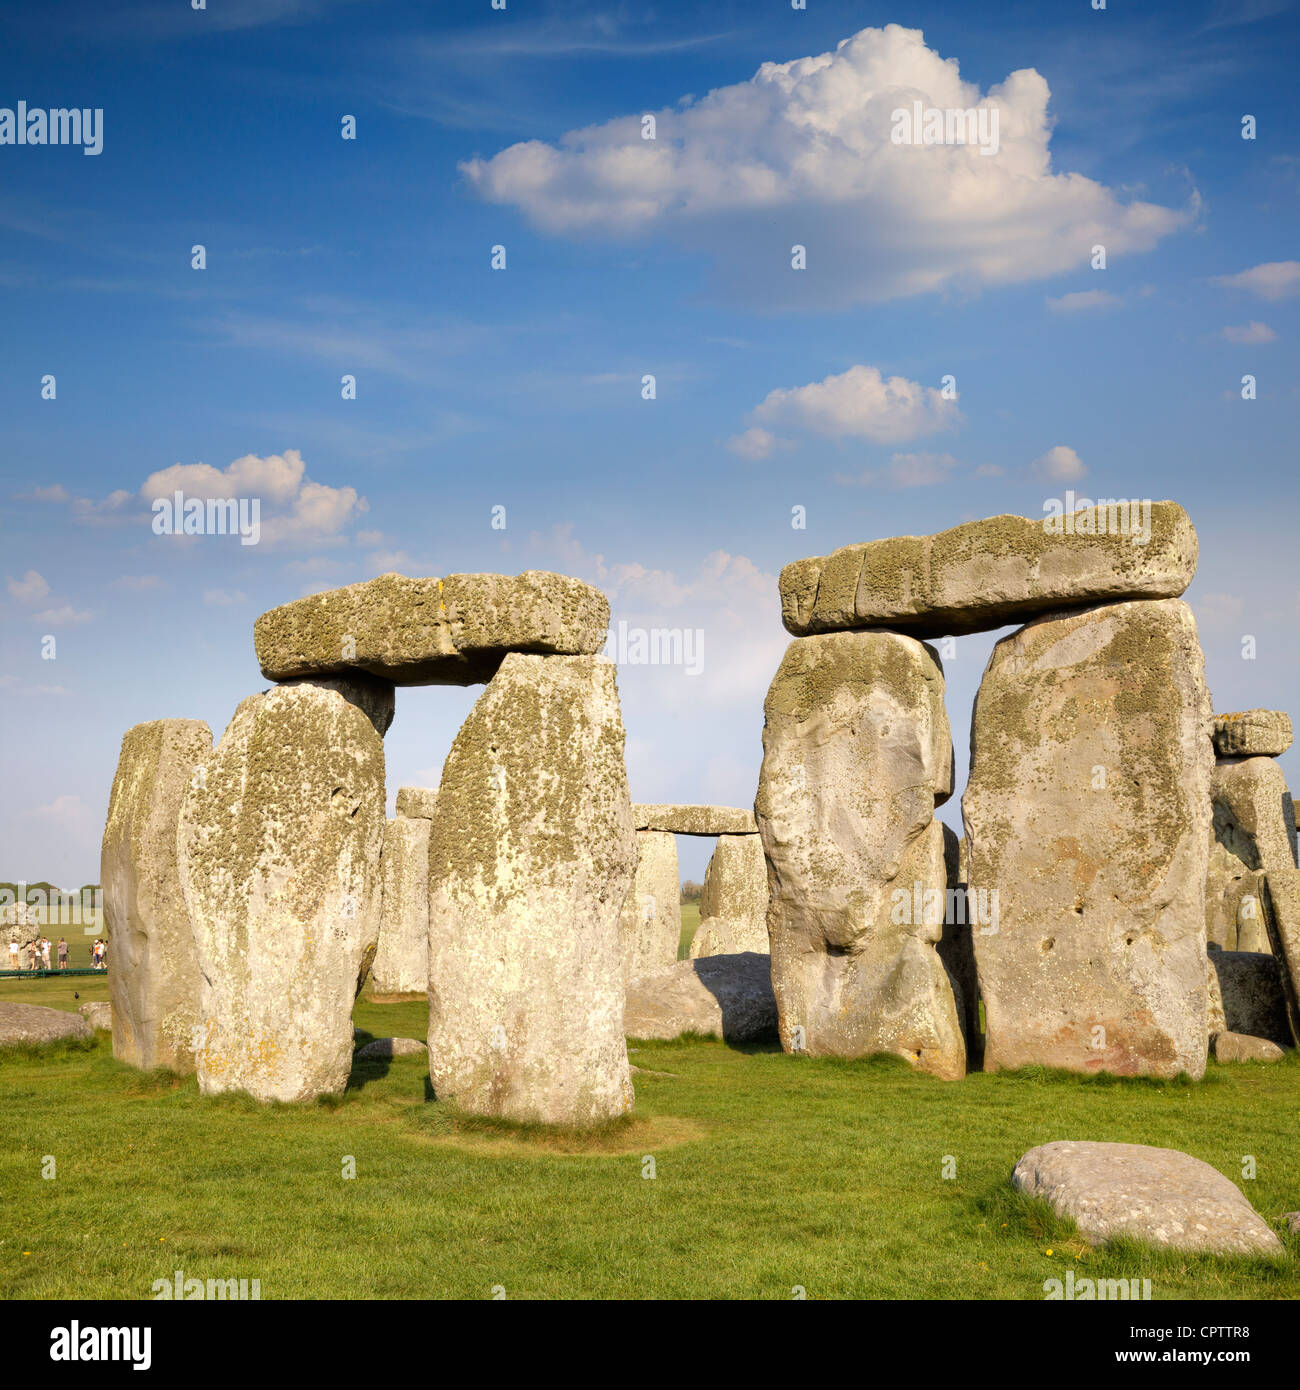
{"x": 691, "y": 891}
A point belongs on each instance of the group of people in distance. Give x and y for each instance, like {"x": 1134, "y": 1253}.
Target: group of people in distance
{"x": 38, "y": 954}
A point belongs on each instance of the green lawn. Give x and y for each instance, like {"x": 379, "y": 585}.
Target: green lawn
{"x": 771, "y": 1172}
{"x": 690, "y": 923}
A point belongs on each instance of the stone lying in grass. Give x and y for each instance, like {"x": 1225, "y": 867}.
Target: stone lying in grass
{"x": 1241, "y": 1047}
{"x": 99, "y": 1014}
{"x": 727, "y": 997}
{"x": 1160, "y": 1196}
{"x": 35, "y": 1024}
{"x": 385, "y": 1049}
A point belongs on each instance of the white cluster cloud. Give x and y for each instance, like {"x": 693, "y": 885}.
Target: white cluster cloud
{"x": 905, "y": 470}
{"x": 1249, "y": 333}
{"x": 1271, "y": 280}
{"x": 1081, "y": 300}
{"x": 305, "y": 511}
{"x": 29, "y": 588}
{"x": 802, "y": 153}
{"x": 857, "y": 404}
{"x": 1060, "y": 464}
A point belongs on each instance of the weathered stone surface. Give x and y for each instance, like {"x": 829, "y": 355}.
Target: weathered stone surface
{"x": 733, "y": 904}
{"x": 402, "y": 957}
{"x": 694, "y": 820}
{"x": 1241, "y": 1047}
{"x": 1088, "y": 809}
{"x": 726, "y": 997}
{"x": 1282, "y": 888}
{"x": 99, "y": 1014}
{"x": 1253, "y": 831}
{"x": 651, "y": 921}
{"x": 374, "y": 697}
{"x": 963, "y": 916}
{"x": 385, "y": 1049}
{"x": 1252, "y": 733}
{"x": 33, "y": 1023}
{"x": 1160, "y": 1196}
{"x": 856, "y": 753}
{"x": 1245, "y": 996}
{"x": 279, "y": 863}
{"x": 985, "y": 574}
{"x": 154, "y": 982}
{"x": 531, "y": 856}
{"x": 418, "y": 803}
{"x": 1292, "y": 1219}
{"x": 18, "y": 923}
{"x": 451, "y": 631}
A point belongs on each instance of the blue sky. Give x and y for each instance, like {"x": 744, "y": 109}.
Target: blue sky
{"x": 522, "y": 387}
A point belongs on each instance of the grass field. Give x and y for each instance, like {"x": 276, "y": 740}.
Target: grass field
{"x": 771, "y": 1172}
{"x": 690, "y": 923}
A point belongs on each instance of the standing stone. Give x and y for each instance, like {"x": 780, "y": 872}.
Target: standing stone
{"x": 402, "y": 958}
{"x": 856, "y": 754}
{"x": 1282, "y": 888}
{"x": 733, "y": 904}
{"x": 154, "y": 982}
{"x": 1088, "y": 809}
{"x": 651, "y": 920}
{"x": 279, "y": 862}
{"x": 1252, "y": 831}
{"x": 419, "y": 803}
{"x": 531, "y": 856}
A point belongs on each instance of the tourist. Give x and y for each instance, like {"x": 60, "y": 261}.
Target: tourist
{"x": 31, "y": 954}
{"x": 45, "y": 952}
{"x": 13, "y": 956}
{"x": 63, "y": 953}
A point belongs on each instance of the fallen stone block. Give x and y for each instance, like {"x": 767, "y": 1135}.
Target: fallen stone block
{"x": 727, "y": 996}
{"x": 154, "y": 982}
{"x": 1088, "y": 812}
{"x": 1160, "y": 1196}
{"x": 98, "y": 1013}
{"x": 385, "y": 1049}
{"x": 985, "y": 574}
{"x": 1240, "y": 1047}
{"x": 452, "y": 631}
{"x": 33, "y": 1023}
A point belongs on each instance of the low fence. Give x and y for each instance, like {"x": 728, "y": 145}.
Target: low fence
{"x": 34, "y": 974}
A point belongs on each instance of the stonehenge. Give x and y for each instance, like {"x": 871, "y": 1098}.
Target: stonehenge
{"x": 1125, "y": 896}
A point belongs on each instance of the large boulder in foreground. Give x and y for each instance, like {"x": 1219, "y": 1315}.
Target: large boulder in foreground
{"x": 154, "y": 982}
{"x": 402, "y": 956}
{"x": 694, "y": 820}
{"x": 451, "y": 631}
{"x": 733, "y": 904}
{"x": 650, "y": 924}
{"x": 35, "y": 1024}
{"x": 1253, "y": 733}
{"x": 279, "y": 863}
{"x": 1161, "y": 1196}
{"x": 531, "y": 856}
{"x": 985, "y": 574}
{"x": 727, "y": 997}
{"x": 856, "y": 754}
{"x": 1088, "y": 810}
